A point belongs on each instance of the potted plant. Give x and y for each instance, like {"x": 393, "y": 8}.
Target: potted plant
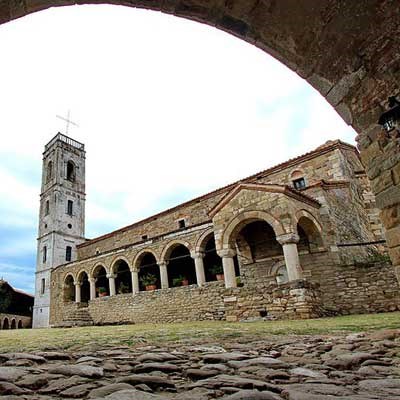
{"x": 218, "y": 271}
{"x": 149, "y": 281}
{"x": 123, "y": 288}
{"x": 180, "y": 280}
{"x": 102, "y": 291}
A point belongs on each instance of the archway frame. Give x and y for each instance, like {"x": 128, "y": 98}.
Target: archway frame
{"x": 139, "y": 256}
{"x": 241, "y": 220}
{"x": 170, "y": 246}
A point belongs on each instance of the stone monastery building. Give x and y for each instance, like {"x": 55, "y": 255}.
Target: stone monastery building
{"x": 298, "y": 240}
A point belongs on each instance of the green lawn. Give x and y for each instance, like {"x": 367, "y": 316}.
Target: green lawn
{"x": 190, "y": 332}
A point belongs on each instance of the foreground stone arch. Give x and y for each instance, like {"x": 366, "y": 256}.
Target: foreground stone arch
{"x": 139, "y": 256}
{"x": 170, "y": 246}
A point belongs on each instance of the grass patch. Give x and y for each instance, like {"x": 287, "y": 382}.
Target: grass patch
{"x": 188, "y": 332}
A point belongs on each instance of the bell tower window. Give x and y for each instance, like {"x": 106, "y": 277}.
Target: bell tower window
{"x": 44, "y": 254}
{"x": 70, "y": 206}
{"x": 47, "y": 207}
{"x": 71, "y": 171}
{"x": 49, "y": 172}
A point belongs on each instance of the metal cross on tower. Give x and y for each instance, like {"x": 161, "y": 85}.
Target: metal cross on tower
{"x": 68, "y": 121}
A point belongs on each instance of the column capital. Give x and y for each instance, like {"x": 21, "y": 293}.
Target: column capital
{"x": 288, "y": 238}
{"x": 92, "y": 280}
{"x": 134, "y": 270}
{"x": 163, "y": 264}
{"x": 77, "y": 283}
{"x": 111, "y": 276}
{"x": 197, "y": 254}
{"x": 226, "y": 253}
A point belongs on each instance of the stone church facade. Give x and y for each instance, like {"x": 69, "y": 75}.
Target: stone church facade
{"x": 299, "y": 240}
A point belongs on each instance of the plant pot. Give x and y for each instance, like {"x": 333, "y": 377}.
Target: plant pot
{"x": 220, "y": 277}
{"x": 151, "y": 287}
{"x": 185, "y": 282}
{"x": 104, "y": 294}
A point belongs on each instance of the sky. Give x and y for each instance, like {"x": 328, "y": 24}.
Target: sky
{"x": 168, "y": 109}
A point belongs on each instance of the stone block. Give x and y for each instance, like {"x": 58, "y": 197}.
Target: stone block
{"x": 382, "y": 182}
{"x": 389, "y": 197}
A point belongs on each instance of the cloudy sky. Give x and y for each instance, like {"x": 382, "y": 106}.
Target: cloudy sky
{"x": 168, "y": 109}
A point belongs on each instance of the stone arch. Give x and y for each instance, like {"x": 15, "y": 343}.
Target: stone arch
{"x": 139, "y": 256}
{"x": 69, "y": 288}
{"x": 83, "y": 279}
{"x": 205, "y": 246}
{"x": 148, "y": 270}
{"x": 180, "y": 264}
{"x": 100, "y": 275}
{"x": 202, "y": 240}
{"x": 13, "y": 324}
{"x": 115, "y": 262}
{"x": 169, "y": 247}
{"x": 309, "y": 231}
{"x": 244, "y": 218}
{"x": 20, "y": 326}
{"x": 6, "y": 323}
{"x": 122, "y": 271}
{"x": 96, "y": 267}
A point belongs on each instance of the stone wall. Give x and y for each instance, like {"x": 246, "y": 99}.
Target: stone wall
{"x": 211, "y": 302}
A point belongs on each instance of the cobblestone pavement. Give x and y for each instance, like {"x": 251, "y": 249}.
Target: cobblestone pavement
{"x": 357, "y": 366}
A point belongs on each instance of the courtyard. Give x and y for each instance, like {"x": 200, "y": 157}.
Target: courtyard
{"x": 347, "y": 357}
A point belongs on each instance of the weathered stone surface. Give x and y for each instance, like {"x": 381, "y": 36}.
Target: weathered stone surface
{"x": 109, "y": 389}
{"x": 150, "y": 380}
{"x": 252, "y": 394}
{"x": 62, "y": 384}
{"x": 87, "y": 371}
{"x": 133, "y": 394}
{"x": 267, "y": 362}
{"x": 148, "y": 367}
{"x": 10, "y": 388}
{"x": 11, "y": 374}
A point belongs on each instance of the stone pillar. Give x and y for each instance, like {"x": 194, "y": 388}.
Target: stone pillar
{"x": 229, "y": 267}
{"x": 135, "y": 281}
{"x": 77, "y": 292}
{"x": 164, "y": 275}
{"x": 92, "y": 282}
{"x": 199, "y": 265}
{"x": 111, "y": 282}
{"x": 289, "y": 244}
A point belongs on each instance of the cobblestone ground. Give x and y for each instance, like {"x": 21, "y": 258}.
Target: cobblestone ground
{"x": 357, "y": 366}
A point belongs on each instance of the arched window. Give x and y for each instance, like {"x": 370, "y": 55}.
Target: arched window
{"x": 71, "y": 171}
{"x": 298, "y": 180}
{"x": 44, "y": 254}
{"x": 49, "y": 172}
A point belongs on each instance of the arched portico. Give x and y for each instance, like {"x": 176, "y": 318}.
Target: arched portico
{"x": 100, "y": 281}
{"x": 309, "y": 231}
{"x": 13, "y": 324}
{"x": 20, "y": 324}
{"x": 69, "y": 288}
{"x": 180, "y": 264}
{"x": 148, "y": 271}
{"x": 123, "y": 279}
{"x": 82, "y": 293}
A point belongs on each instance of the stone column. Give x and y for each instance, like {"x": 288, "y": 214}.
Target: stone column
{"x": 135, "y": 281}
{"x": 77, "y": 292}
{"x": 229, "y": 267}
{"x": 289, "y": 244}
{"x": 199, "y": 265}
{"x": 92, "y": 282}
{"x": 164, "y": 275}
{"x": 111, "y": 282}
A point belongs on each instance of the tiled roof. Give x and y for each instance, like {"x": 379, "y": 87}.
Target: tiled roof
{"x": 323, "y": 149}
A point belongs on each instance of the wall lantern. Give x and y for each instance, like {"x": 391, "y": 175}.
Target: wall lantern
{"x": 390, "y": 119}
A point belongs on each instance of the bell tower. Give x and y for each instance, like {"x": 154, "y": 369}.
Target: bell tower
{"x": 61, "y": 216}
